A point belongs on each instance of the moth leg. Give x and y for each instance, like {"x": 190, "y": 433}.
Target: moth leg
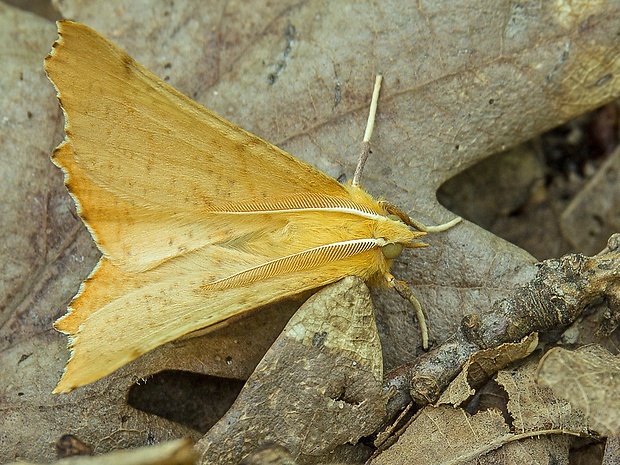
{"x": 406, "y": 293}
{"x": 370, "y": 124}
{"x": 394, "y": 210}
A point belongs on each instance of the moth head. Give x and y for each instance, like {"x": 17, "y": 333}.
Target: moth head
{"x": 395, "y": 235}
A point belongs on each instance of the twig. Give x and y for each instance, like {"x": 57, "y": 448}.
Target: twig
{"x": 556, "y": 296}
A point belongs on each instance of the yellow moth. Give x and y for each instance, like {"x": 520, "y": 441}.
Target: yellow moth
{"x": 197, "y": 220}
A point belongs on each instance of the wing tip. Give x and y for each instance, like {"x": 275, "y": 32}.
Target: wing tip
{"x": 64, "y": 386}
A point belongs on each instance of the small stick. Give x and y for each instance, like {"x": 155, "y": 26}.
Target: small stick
{"x": 369, "y": 127}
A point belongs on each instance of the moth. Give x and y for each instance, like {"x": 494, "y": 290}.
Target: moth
{"x": 197, "y": 220}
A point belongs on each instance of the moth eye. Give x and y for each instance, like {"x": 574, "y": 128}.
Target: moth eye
{"x": 391, "y": 251}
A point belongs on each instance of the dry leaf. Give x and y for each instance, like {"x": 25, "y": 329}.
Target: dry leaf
{"x": 446, "y": 435}
{"x": 612, "y": 451}
{"x": 495, "y": 187}
{"x": 178, "y": 452}
{"x": 270, "y": 455}
{"x": 482, "y": 365}
{"x": 589, "y": 379}
{"x": 317, "y": 388}
{"x": 534, "y": 408}
{"x": 591, "y": 217}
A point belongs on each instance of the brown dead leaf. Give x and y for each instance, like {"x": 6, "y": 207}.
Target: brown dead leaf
{"x": 535, "y": 408}
{"x": 317, "y": 388}
{"x": 439, "y": 434}
{"x": 495, "y": 187}
{"x": 447, "y": 435}
{"x": 589, "y": 379}
{"x": 178, "y": 452}
{"x": 484, "y": 364}
{"x": 592, "y": 216}
{"x": 457, "y": 88}
{"x": 612, "y": 451}
{"x": 270, "y": 455}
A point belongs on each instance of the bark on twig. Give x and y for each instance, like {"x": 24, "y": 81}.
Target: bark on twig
{"x": 556, "y": 296}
